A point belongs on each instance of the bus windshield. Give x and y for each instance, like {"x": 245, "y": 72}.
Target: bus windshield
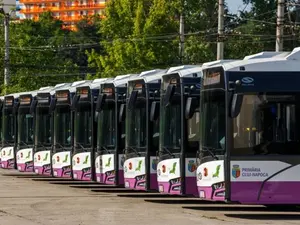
{"x": 136, "y": 126}
{"x": 171, "y": 127}
{"x": 62, "y": 126}
{"x": 212, "y": 126}
{"x": 268, "y": 123}
{"x": 8, "y": 126}
{"x": 25, "y": 127}
{"x": 106, "y": 128}
{"x": 43, "y": 126}
{"x": 83, "y": 125}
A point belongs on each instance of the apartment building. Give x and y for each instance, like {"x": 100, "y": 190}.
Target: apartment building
{"x": 68, "y": 11}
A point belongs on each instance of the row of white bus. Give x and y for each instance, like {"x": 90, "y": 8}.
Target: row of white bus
{"x": 226, "y": 130}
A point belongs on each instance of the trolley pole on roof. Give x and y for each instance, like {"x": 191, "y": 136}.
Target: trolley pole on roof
{"x": 279, "y": 25}
{"x": 220, "y": 45}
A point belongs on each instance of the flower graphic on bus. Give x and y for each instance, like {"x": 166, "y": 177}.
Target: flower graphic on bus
{"x": 28, "y": 155}
{"x": 216, "y": 174}
{"x": 130, "y": 166}
{"x": 236, "y": 172}
{"x": 138, "y": 168}
{"x": 108, "y": 163}
{"x": 173, "y": 168}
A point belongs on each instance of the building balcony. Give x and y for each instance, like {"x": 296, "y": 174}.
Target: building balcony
{"x": 66, "y": 18}
{"x": 74, "y": 18}
{"x": 25, "y": 2}
{"x": 39, "y": 1}
{"x": 88, "y": 6}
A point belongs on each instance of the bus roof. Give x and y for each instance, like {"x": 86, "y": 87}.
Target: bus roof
{"x": 266, "y": 55}
{"x": 32, "y": 93}
{"x": 279, "y": 62}
{"x": 150, "y": 76}
{"x": 93, "y": 84}
{"x": 187, "y": 71}
{"x": 72, "y": 87}
{"x": 120, "y": 80}
{"x": 182, "y": 67}
{"x": 52, "y": 89}
{"x": 218, "y": 62}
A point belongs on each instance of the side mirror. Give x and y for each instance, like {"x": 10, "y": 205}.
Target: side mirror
{"x": 96, "y": 116}
{"x": 236, "y": 104}
{"x": 122, "y": 112}
{"x": 33, "y": 106}
{"x": 74, "y": 102}
{"x": 15, "y": 108}
{"x": 192, "y": 104}
{"x": 100, "y": 102}
{"x": 52, "y": 105}
{"x": 154, "y": 111}
{"x": 132, "y": 99}
{"x": 169, "y": 94}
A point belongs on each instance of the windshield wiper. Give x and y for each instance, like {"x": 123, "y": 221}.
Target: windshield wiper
{"x": 80, "y": 145}
{"x": 60, "y": 145}
{"x": 105, "y": 149}
{"x": 41, "y": 144}
{"x": 22, "y": 142}
{"x": 209, "y": 150}
{"x": 168, "y": 151}
{"x": 134, "y": 150}
{"x": 8, "y": 142}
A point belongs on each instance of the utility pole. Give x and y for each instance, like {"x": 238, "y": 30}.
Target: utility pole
{"x": 279, "y": 25}
{"x": 6, "y": 54}
{"x": 220, "y": 45}
{"x": 181, "y": 33}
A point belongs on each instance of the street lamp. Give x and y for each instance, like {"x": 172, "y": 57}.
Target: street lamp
{"x": 7, "y": 17}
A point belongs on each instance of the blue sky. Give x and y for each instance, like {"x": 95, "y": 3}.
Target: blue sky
{"x": 235, "y": 5}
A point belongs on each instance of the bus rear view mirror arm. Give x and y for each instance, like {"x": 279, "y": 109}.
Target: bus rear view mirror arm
{"x": 100, "y": 102}
{"x": 122, "y": 113}
{"x": 169, "y": 94}
{"x": 52, "y": 105}
{"x": 154, "y": 113}
{"x": 192, "y": 104}
{"x": 236, "y": 104}
{"x": 74, "y": 102}
{"x": 132, "y": 99}
{"x": 33, "y": 106}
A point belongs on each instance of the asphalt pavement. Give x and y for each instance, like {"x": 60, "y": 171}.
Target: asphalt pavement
{"x": 30, "y": 200}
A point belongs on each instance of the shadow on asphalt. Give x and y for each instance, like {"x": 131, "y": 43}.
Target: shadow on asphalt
{"x": 179, "y": 201}
{"x": 265, "y": 216}
{"x": 241, "y": 209}
{"x": 147, "y": 195}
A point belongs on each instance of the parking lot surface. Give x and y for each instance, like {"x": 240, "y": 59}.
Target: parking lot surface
{"x": 30, "y": 201}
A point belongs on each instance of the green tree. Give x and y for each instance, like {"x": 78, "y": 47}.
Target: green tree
{"x": 138, "y": 35}
{"x": 36, "y": 49}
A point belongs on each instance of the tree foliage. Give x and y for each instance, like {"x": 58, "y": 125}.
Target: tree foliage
{"x": 43, "y": 54}
{"x": 137, "y": 35}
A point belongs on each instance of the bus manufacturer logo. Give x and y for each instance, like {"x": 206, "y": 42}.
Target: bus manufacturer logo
{"x": 236, "y": 171}
{"x": 247, "y": 80}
